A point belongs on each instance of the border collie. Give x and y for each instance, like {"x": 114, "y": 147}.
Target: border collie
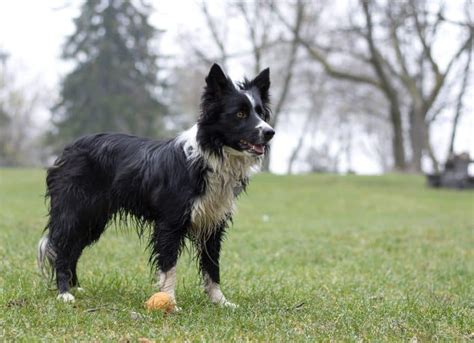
{"x": 182, "y": 188}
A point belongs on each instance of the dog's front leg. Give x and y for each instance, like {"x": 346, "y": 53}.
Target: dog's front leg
{"x": 209, "y": 262}
{"x": 167, "y": 245}
{"x": 167, "y": 282}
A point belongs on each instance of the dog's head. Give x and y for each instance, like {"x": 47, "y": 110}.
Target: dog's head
{"x": 235, "y": 116}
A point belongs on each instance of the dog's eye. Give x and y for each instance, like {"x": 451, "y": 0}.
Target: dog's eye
{"x": 241, "y": 114}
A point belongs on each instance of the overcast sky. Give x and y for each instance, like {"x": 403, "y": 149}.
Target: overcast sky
{"x": 32, "y": 32}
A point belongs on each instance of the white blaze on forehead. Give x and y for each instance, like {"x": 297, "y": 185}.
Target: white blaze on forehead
{"x": 250, "y": 97}
{"x": 262, "y": 124}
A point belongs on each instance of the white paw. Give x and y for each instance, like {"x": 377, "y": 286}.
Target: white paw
{"x": 228, "y": 304}
{"x": 66, "y": 297}
{"x": 176, "y": 308}
{"x": 80, "y": 289}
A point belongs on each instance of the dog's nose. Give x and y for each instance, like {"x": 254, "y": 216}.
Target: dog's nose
{"x": 268, "y": 133}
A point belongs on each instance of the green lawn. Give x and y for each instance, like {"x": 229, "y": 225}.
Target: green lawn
{"x": 316, "y": 257}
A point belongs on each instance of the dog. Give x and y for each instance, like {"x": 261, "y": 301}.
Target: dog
{"x": 183, "y": 188}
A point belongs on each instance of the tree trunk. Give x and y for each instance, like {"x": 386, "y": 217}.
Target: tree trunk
{"x": 266, "y": 163}
{"x": 430, "y": 151}
{"x": 417, "y": 138}
{"x": 397, "y": 140}
{"x": 389, "y": 90}
{"x": 452, "y": 138}
{"x": 420, "y": 141}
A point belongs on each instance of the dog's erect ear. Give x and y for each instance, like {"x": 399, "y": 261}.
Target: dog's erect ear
{"x": 262, "y": 82}
{"x": 217, "y": 81}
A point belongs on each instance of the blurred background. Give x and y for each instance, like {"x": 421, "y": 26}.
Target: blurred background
{"x": 357, "y": 86}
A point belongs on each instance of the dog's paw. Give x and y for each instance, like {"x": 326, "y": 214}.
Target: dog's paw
{"x": 66, "y": 297}
{"x": 176, "y": 308}
{"x": 228, "y": 304}
{"x": 80, "y": 290}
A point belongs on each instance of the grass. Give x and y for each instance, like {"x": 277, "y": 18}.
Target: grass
{"x": 316, "y": 257}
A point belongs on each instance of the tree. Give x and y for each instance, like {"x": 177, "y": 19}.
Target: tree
{"x": 114, "y": 85}
{"x": 18, "y": 131}
{"x": 314, "y": 86}
{"x": 460, "y": 104}
{"x": 405, "y": 71}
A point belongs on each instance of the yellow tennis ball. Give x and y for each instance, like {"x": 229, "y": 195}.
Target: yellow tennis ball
{"x": 160, "y": 301}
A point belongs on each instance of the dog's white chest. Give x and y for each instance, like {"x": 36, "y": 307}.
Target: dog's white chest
{"x": 223, "y": 182}
{"x": 216, "y": 205}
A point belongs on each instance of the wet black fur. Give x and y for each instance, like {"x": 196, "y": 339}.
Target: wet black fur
{"x": 106, "y": 176}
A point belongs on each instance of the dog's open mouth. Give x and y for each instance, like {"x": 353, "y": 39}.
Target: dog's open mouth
{"x": 257, "y": 149}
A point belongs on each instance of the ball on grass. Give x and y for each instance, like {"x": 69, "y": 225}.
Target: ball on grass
{"x": 160, "y": 301}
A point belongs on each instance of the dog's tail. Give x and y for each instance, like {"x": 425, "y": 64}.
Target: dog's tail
{"x": 45, "y": 258}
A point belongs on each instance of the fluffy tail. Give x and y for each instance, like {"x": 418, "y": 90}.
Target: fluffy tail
{"x": 45, "y": 258}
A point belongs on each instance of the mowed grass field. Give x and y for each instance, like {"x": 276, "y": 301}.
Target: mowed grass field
{"x": 309, "y": 258}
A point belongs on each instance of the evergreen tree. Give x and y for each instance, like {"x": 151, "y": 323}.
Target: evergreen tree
{"x": 114, "y": 85}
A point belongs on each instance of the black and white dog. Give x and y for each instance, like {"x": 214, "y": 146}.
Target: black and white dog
{"x": 184, "y": 187}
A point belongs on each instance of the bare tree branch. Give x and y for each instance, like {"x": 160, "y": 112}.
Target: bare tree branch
{"x": 459, "y": 105}
{"x": 377, "y": 59}
{"x": 456, "y": 22}
{"x": 209, "y": 59}
{"x": 215, "y": 33}
{"x": 201, "y": 55}
{"x": 405, "y": 77}
{"x": 388, "y": 89}
{"x": 343, "y": 51}
{"x": 257, "y": 41}
{"x": 252, "y": 34}
{"x": 318, "y": 56}
{"x": 441, "y": 77}
{"x": 317, "y": 104}
{"x": 291, "y": 61}
{"x": 420, "y": 28}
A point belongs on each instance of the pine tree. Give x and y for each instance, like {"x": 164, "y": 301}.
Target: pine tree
{"x": 114, "y": 85}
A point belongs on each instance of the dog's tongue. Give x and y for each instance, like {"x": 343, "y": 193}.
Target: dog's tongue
{"x": 258, "y": 148}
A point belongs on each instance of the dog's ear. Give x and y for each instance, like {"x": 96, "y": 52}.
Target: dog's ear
{"x": 262, "y": 82}
{"x": 217, "y": 81}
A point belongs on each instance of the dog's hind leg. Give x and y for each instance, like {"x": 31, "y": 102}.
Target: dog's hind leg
{"x": 79, "y": 210}
{"x": 72, "y": 227}
{"x": 94, "y": 231}
{"x": 66, "y": 263}
{"x": 50, "y": 264}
